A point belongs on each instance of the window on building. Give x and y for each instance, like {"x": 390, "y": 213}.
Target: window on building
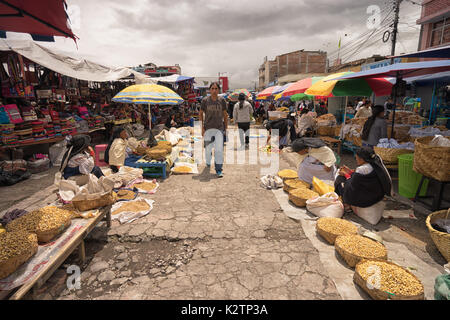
{"x": 440, "y": 34}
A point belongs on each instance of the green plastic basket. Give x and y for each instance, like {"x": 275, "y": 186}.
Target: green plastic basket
{"x": 408, "y": 179}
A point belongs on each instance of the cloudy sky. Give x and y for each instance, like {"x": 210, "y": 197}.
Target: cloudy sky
{"x": 206, "y": 37}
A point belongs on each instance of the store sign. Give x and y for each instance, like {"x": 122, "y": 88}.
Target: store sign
{"x": 379, "y": 64}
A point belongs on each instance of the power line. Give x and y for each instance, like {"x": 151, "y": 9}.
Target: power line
{"x": 357, "y": 41}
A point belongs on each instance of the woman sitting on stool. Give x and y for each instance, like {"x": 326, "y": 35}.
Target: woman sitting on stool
{"x": 80, "y": 158}
{"x": 367, "y": 185}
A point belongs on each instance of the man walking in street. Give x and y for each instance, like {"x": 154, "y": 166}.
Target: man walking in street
{"x": 214, "y": 121}
{"x": 242, "y": 115}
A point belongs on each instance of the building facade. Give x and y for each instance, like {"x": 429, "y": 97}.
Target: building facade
{"x": 435, "y": 24}
{"x": 297, "y": 62}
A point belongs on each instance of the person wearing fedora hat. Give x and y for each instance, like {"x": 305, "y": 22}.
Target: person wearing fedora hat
{"x": 79, "y": 158}
{"x": 242, "y": 115}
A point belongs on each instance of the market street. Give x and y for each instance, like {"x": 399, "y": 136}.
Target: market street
{"x": 229, "y": 238}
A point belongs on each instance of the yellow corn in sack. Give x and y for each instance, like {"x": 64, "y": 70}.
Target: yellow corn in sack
{"x": 321, "y": 187}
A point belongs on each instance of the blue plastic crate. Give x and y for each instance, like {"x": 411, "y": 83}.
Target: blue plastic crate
{"x": 131, "y": 161}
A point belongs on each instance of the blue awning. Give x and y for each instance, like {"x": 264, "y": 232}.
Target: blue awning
{"x": 441, "y": 52}
{"x": 403, "y": 70}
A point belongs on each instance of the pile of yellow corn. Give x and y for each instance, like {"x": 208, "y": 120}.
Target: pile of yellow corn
{"x": 147, "y": 186}
{"x": 182, "y": 169}
{"x": 361, "y": 246}
{"x": 42, "y": 220}
{"x": 287, "y": 174}
{"x": 391, "y": 278}
{"x": 15, "y": 249}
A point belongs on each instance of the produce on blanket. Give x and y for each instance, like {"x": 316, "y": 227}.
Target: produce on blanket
{"x": 147, "y": 186}
{"x": 133, "y": 206}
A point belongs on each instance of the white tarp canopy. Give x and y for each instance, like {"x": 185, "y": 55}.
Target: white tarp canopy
{"x": 72, "y": 67}
{"x": 174, "y": 78}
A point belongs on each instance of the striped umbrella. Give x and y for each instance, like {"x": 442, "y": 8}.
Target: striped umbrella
{"x": 148, "y": 94}
{"x": 235, "y": 94}
{"x": 300, "y": 86}
{"x": 362, "y": 87}
{"x": 266, "y": 93}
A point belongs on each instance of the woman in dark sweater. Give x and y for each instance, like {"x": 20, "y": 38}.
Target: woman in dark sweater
{"x": 375, "y": 128}
{"x": 367, "y": 185}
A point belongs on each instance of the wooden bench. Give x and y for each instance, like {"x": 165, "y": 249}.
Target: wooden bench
{"x": 77, "y": 241}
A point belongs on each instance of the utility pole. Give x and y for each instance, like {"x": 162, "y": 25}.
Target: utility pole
{"x": 395, "y": 30}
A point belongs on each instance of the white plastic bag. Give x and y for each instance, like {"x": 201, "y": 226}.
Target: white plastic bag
{"x": 271, "y": 182}
{"x": 371, "y": 214}
{"x": 327, "y": 205}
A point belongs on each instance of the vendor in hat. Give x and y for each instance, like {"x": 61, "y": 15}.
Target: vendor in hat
{"x": 317, "y": 160}
{"x": 368, "y": 184}
{"x": 116, "y": 152}
{"x": 80, "y": 158}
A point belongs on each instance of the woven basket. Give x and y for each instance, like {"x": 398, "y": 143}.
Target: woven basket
{"x": 301, "y": 195}
{"x": 290, "y": 184}
{"x": 432, "y": 162}
{"x": 288, "y": 174}
{"x": 357, "y": 141}
{"x": 325, "y": 131}
{"x": 105, "y": 200}
{"x": 390, "y": 155}
{"x": 440, "y": 239}
{"x": 9, "y": 266}
{"x": 378, "y": 294}
{"x": 48, "y": 235}
{"x": 330, "y": 236}
{"x": 352, "y": 259}
{"x": 157, "y": 153}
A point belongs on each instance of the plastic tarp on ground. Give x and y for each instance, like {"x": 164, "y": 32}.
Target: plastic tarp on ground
{"x": 81, "y": 69}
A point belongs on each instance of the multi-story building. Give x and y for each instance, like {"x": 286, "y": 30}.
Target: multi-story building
{"x": 292, "y": 63}
{"x": 435, "y": 24}
{"x": 152, "y": 70}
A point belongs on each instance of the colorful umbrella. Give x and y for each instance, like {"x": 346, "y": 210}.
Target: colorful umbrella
{"x": 301, "y": 96}
{"x": 235, "y": 94}
{"x": 266, "y": 93}
{"x": 300, "y": 86}
{"x": 148, "y": 94}
{"x": 351, "y": 87}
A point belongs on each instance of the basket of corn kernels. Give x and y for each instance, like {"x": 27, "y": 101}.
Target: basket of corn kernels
{"x": 354, "y": 248}
{"x": 384, "y": 280}
{"x": 288, "y": 174}
{"x": 330, "y": 228}
{"x": 290, "y": 184}
{"x": 46, "y": 223}
{"x": 16, "y": 248}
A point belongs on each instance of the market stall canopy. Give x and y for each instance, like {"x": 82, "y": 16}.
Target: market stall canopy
{"x": 148, "y": 94}
{"x": 300, "y": 86}
{"x": 72, "y": 67}
{"x": 440, "y": 76}
{"x": 235, "y": 94}
{"x": 404, "y": 70}
{"x": 267, "y": 92}
{"x": 331, "y": 87}
{"x": 442, "y": 52}
{"x": 43, "y": 17}
{"x": 174, "y": 78}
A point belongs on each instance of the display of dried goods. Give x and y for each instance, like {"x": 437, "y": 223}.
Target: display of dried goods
{"x": 46, "y": 222}
{"x": 354, "y": 248}
{"x": 290, "y": 184}
{"x": 147, "y": 186}
{"x": 126, "y": 194}
{"x": 301, "y": 195}
{"x": 182, "y": 169}
{"x": 387, "y": 280}
{"x": 287, "y": 174}
{"x": 142, "y": 150}
{"x": 330, "y": 228}
{"x": 132, "y": 206}
{"x": 16, "y": 248}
